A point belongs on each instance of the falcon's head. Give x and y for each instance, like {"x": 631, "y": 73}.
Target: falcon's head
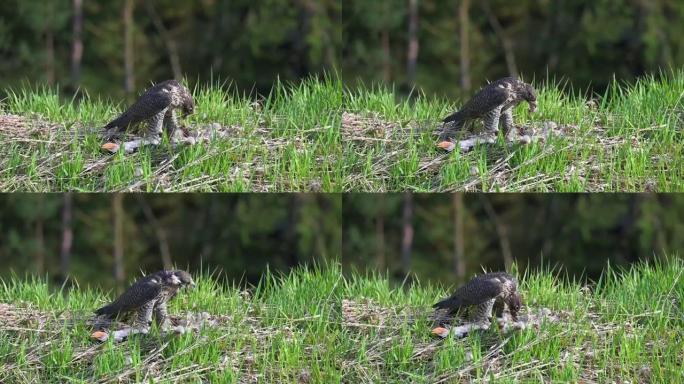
{"x": 169, "y": 279}
{"x": 184, "y": 278}
{"x": 188, "y": 105}
{"x": 514, "y": 305}
{"x": 528, "y": 93}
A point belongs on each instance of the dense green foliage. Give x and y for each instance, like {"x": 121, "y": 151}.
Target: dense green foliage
{"x": 248, "y": 43}
{"x": 238, "y": 235}
{"x": 585, "y": 41}
{"x": 579, "y": 232}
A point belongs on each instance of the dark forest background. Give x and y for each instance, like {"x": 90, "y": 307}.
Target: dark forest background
{"x": 107, "y": 239}
{"x": 449, "y": 237}
{"x": 450, "y": 47}
{"x": 116, "y": 48}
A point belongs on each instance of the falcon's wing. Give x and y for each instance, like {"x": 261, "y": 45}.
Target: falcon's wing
{"x": 148, "y": 105}
{"x": 490, "y": 97}
{"x": 137, "y": 295}
{"x": 478, "y": 291}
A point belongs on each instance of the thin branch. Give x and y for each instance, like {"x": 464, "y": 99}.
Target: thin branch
{"x": 506, "y": 43}
{"x": 170, "y": 43}
{"x": 459, "y": 241}
{"x": 159, "y": 231}
{"x": 67, "y": 235}
{"x": 502, "y": 232}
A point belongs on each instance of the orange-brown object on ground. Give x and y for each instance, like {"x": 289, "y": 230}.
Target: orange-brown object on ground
{"x": 440, "y": 331}
{"x": 111, "y": 147}
{"x": 447, "y": 145}
{"x": 99, "y": 335}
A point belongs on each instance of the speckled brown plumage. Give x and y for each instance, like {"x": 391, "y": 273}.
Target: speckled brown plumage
{"x": 147, "y": 296}
{"x": 492, "y": 103}
{"x": 156, "y": 107}
{"x": 483, "y": 292}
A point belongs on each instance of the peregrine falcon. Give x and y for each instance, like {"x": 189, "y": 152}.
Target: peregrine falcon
{"x": 147, "y": 295}
{"x": 156, "y": 107}
{"x": 485, "y": 291}
{"x": 493, "y": 102}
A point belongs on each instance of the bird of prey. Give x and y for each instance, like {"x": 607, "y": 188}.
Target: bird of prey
{"x": 484, "y": 292}
{"x": 492, "y": 103}
{"x": 148, "y": 296}
{"x": 156, "y": 107}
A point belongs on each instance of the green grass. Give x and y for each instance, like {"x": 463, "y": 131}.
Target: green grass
{"x": 630, "y": 140}
{"x": 316, "y": 325}
{"x": 288, "y": 142}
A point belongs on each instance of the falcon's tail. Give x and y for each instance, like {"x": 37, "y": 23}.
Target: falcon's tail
{"x": 451, "y": 123}
{"x": 116, "y": 127}
{"x": 456, "y": 116}
{"x": 120, "y": 122}
{"x": 449, "y": 303}
{"x": 108, "y": 311}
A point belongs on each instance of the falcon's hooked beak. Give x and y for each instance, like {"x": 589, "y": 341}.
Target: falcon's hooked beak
{"x": 188, "y": 110}
{"x": 184, "y": 278}
{"x": 533, "y": 107}
{"x": 175, "y": 280}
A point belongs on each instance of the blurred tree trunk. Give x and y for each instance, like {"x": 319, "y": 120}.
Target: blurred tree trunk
{"x": 506, "y": 42}
{"x": 322, "y": 209}
{"x": 663, "y": 202}
{"x": 129, "y": 82}
{"x": 331, "y": 50}
{"x": 207, "y": 220}
{"x": 629, "y": 228}
{"x": 501, "y": 231}
{"x": 117, "y": 213}
{"x": 315, "y": 10}
{"x": 160, "y": 233}
{"x": 77, "y": 43}
{"x": 464, "y": 21}
{"x": 169, "y": 42}
{"x": 301, "y": 45}
{"x": 39, "y": 257}
{"x": 67, "y": 235}
{"x": 50, "y": 52}
{"x": 292, "y": 234}
{"x": 550, "y": 229}
{"x": 459, "y": 241}
{"x": 554, "y": 23}
{"x": 386, "y": 56}
{"x": 222, "y": 22}
{"x": 407, "y": 238}
{"x": 381, "y": 263}
{"x": 413, "y": 46}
